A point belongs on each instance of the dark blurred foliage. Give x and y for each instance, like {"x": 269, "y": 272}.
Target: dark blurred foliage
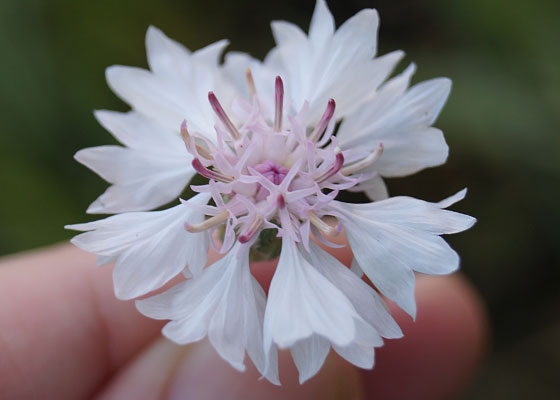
{"x": 501, "y": 123}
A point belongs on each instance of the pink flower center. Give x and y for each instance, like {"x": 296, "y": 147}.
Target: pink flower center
{"x": 273, "y": 172}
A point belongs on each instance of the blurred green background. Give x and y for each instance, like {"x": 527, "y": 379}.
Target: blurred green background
{"x": 501, "y": 123}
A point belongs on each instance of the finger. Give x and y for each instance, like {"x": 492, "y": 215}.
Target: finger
{"x": 147, "y": 375}
{"x": 62, "y": 331}
{"x": 440, "y": 351}
{"x": 201, "y": 374}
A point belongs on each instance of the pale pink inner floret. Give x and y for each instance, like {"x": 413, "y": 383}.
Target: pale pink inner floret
{"x": 263, "y": 174}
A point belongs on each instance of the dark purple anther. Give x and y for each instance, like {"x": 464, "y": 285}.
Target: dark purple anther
{"x": 333, "y": 170}
{"x": 208, "y": 173}
{"x": 279, "y": 103}
{"x": 324, "y": 122}
{"x": 218, "y": 109}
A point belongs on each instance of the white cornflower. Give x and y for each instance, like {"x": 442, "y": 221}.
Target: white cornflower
{"x": 266, "y": 137}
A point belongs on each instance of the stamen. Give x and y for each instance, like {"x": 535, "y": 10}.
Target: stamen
{"x": 217, "y": 107}
{"x": 279, "y": 103}
{"x": 325, "y": 228}
{"x": 280, "y": 202}
{"x": 208, "y": 223}
{"x": 185, "y": 133}
{"x": 324, "y": 122}
{"x": 251, "y": 89}
{"x": 208, "y": 173}
{"x": 333, "y": 170}
{"x": 363, "y": 163}
{"x": 252, "y": 230}
{"x": 187, "y": 139}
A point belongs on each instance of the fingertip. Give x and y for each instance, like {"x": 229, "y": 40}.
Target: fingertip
{"x": 58, "y": 309}
{"x": 202, "y": 374}
{"x": 440, "y": 351}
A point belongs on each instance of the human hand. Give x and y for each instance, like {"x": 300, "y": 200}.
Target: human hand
{"x": 64, "y": 335}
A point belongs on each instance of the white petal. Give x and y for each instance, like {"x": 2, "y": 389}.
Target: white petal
{"x": 235, "y": 69}
{"x": 360, "y": 356}
{"x": 228, "y": 328}
{"x": 460, "y": 195}
{"x": 104, "y": 260}
{"x": 151, "y": 247}
{"x": 356, "y": 269}
{"x": 165, "y": 56}
{"x": 428, "y": 98}
{"x": 152, "y": 171}
{"x": 337, "y": 65}
{"x": 172, "y": 97}
{"x": 140, "y": 133}
{"x": 359, "y": 81}
{"x": 148, "y": 93}
{"x": 211, "y": 54}
{"x": 421, "y": 215}
{"x": 267, "y": 364}
{"x": 377, "y": 190}
{"x": 322, "y": 22}
{"x": 393, "y": 237}
{"x": 141, "y": 180}
{"x": 357, "y": 37}
{"x": 286, "y": 33}
{"x": 309, "y": 355}
{"x": 369, "y": 305}
{"x": 224, "y": 302}
{"x": 301, "y": 302}
{"x": 355, "y": 129}
{"x": 401, "y": 121}
{"x": 412, "y": 151}
{"x": 181, "y": 333}
{"x": 376, "y": 258}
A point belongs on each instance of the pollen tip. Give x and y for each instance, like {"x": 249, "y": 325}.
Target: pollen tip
{"x": 323, "y": 122}
{"x": 197, "y": 164}
{"x": 251, "y": 89}
{"x": 184, "y": 130}
{"x": 279, "y": 101}
{"x": 330, "y": 110}
{"x": 188, "y": 227}
{"x": 213, "y": 101}
{"x": 339, "y": 162}
{"x": 244, "y": 239}
{"x": 331, "y": 106}
{"x": 217, "y": 107}
{"x": 280, "y": 202}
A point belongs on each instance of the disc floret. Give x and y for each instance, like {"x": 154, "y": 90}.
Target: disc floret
{"x": 271, "y": 172}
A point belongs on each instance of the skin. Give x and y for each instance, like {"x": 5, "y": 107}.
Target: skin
{"x": 64, "y": 335}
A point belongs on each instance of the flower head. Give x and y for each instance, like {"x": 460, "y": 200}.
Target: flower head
{"x": 276, "y": 141}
